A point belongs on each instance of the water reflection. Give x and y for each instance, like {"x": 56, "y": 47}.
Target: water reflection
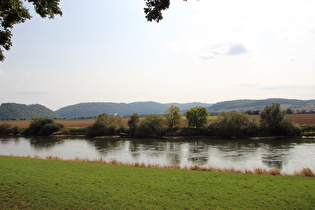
{"x": 288, "y": 155}
{"x": 45, "y": 142}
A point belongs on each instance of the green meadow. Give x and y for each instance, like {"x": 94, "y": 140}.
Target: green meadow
{"x": 27, "y": 183}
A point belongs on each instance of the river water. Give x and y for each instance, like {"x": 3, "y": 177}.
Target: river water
{"x": 287, "y": 155}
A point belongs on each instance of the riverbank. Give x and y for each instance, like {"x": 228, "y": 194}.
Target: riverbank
{"x": 55, "y": 184}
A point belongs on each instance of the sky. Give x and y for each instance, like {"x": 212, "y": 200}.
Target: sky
{"x": 202, "y": 51}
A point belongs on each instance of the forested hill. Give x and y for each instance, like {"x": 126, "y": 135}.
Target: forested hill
{"x": 142, "y": 108}
{"x": 259, "y": 104}
{"x": 13, "y": 111}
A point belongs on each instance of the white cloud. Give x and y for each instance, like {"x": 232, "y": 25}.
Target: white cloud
{"x": 237, "y": 49}
{"x": 205, "y": 50}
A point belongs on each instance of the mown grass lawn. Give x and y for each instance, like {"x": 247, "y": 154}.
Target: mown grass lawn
{"x": 54, "y": 184}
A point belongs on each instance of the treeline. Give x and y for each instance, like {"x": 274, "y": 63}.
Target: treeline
{"x": 273, "y": 122}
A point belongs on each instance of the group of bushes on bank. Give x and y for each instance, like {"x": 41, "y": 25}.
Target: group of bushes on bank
{"x": 229, "y": 124}
{"x": 273, "y": 122}
{"x": 38, "y": 127}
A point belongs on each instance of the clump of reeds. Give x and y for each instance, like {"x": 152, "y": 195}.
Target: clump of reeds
{"x": 304, "y": 172}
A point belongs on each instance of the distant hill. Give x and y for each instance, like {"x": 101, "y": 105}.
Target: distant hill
{"x": 260, "y": 104}
{"x": 142, "y": 108}
{"x": 13, "y": 111}
{"x": 9, "y": 111}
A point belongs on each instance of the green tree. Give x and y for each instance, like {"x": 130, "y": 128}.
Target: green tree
{"x": 13, "y": 12}
{"x": 197, "y": 116}
{"x": 151, "y": 126}
{"x": 173, "y": 116}
{"x": 133, "y": 123}
{"x": 154, "y": 8}
{"x": 289, "y": 111}
{"x": 234, "y": 124}
{"x": 42, "y": 127}
{"x": 274, "y": 122}
{"x": 5, "y": 128}
{"x": 105, "y": 125}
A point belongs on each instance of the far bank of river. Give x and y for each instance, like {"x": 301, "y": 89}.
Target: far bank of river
{"x": 286, "y": 155}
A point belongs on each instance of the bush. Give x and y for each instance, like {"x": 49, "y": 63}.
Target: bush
{"x": 5, "y": 128}
{"x": 274, "y": 122}
{"x": 42, "y": 127}
{"x": 151, "y": 126}
{"x": 106, "y": 126}
{"x": 234, "y": 124}
{"x": 16, "y": 130}
{"x": 190, "y": 131}
{"x": 49, "y": 129}
{"x": 74, "y": 131}
{"x": 133, "y": 123}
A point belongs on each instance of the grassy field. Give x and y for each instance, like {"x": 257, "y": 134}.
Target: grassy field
{"x": 27, "y": 183}
{"x": 297, "y": 118}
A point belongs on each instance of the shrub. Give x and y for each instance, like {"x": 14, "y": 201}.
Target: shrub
{"x": 5, "y": 128}
{"x": 234, "y": 124}
{"x": 152, "y": 125}
{"x": 133, "y": 123}
{"x": 16, "y": 130}
{"x": 105, "y": 126}
{"x": 274, "y": 122}
{"x": 49, "y": 129}
{"x": 42, "y": 127}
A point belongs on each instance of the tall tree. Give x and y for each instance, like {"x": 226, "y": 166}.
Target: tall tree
{"x": 172, "y": 116}
{"x": 274, "y": 122}
{"x": 134, "y": 123}
{"x": 154, "y": 8}
{"x": 197, "y": 116}
{"x": 13, "y": 12}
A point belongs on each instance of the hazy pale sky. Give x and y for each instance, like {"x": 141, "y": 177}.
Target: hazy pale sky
{"x": 206, "y": 51}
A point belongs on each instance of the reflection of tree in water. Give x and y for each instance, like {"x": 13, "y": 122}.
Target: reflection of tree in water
{"x": 276, "y": 154}
{"x": 154, "y": 148}
{"x": 40, "y": 143}
{"x": 103, "y": 146}
{"x": 235, "y": 149}
{"x": 198, "y": 152}
{"x": 6, "y": 139}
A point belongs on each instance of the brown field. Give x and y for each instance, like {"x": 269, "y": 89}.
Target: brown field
{"x": 297, "y": 118}
{"x": 300, "y": 118}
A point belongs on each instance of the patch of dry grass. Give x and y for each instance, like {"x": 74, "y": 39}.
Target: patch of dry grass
{"x": 306, "y": 172}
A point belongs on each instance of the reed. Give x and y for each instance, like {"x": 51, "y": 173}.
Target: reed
{"x": 306, "y": 172}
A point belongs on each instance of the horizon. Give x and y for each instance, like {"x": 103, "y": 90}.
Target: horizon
{"x": 152, "y": 102}
{"x": 201, "y": 51}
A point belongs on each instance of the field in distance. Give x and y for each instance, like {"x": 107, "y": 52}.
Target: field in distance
{"x": 297, "y": 118}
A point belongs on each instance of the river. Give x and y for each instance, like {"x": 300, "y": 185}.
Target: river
{"x": 286, "y": 155}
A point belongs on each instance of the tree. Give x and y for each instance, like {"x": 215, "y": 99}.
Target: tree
{"x": 43, "y": 127}
{"x": 234, "y": 123}
{"x": 154, "y": 8}
{"x": 14, "y": 12}
{"x": 173, "y": 116}
{"x": 274, "y": 122}
{"x": 197, "y": 116}
{"x": 151, "y": 126}
{"x": 105, "y": 125}
{"x": 289, "y": 111}
{"x": 133, "y": 123}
